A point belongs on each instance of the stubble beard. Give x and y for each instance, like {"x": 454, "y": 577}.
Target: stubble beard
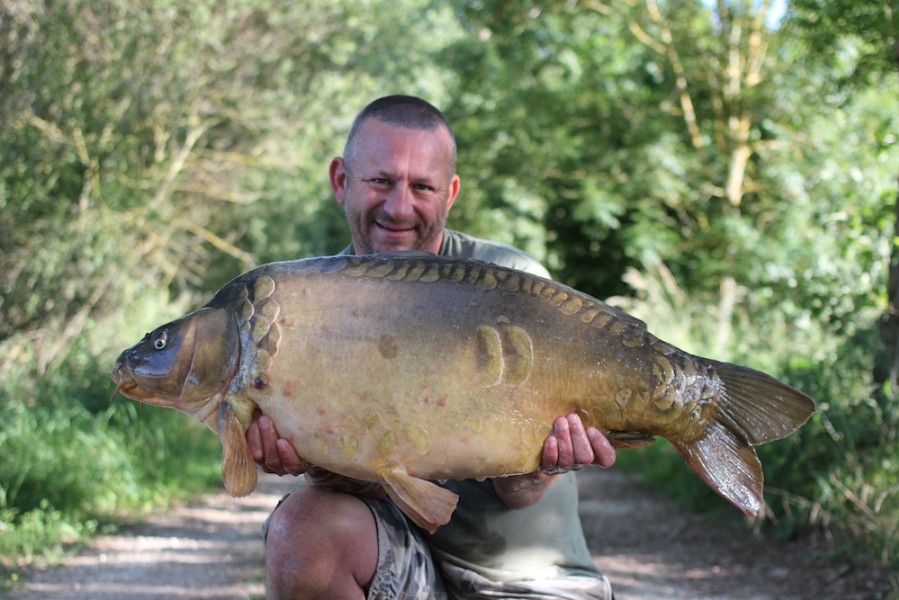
{"x": 427, "y": 238}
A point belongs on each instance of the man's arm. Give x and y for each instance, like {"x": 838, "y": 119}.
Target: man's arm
{"x": 568, "y": 447}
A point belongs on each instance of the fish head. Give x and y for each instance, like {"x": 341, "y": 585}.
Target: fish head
{"x": 183, "y": 364}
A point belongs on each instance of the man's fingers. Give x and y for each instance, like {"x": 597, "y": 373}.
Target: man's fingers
{"x": 551, "y": 453}
{"x": 270, "y": 452}
{"x": 581, "y": 448}
{"x": 562, "y": 432}
{"x": 290, "y": 460}
{"x": 602, "y": 448}
{"x": 254, "y": 441}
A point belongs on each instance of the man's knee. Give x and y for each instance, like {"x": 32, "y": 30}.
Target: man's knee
{"x": 314, "y": 533}
{"x": 293, "y": 515}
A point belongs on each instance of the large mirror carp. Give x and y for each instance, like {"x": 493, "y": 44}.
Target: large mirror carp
{"x": 405, "y": 368}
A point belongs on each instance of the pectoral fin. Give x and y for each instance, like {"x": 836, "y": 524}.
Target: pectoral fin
{"x": 425, "y": 503}
{"x": 238, "y": 466}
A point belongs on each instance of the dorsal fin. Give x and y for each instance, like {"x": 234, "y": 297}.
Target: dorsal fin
{"x": 405, "y": 254}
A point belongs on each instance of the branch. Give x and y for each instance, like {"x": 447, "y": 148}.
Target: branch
{"x": 645, "y": 38}
{"x": 686, "y": 101}
{"x": 220, "y": 243}
{"x": 193, "y": 136}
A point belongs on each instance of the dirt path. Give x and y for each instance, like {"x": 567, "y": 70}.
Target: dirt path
{"x": 649, "y": 548}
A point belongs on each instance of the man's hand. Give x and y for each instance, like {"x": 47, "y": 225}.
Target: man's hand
{"x": 271, "y": 452}
{"x": 568, "y": 447}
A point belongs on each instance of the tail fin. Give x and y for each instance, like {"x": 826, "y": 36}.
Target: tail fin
{"x": 754, "y": 408}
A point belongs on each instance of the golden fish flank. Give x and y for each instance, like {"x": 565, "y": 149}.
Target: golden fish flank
{"x": 406, "y": 368}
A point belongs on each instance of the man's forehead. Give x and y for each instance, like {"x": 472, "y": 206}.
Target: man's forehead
{"x": 376, "y": 129}
{"x": 417, "y": 150}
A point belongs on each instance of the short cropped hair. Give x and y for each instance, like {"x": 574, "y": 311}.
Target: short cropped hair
{"x": 402, "y": 111}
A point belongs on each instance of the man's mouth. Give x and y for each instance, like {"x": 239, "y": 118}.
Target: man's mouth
{"x": 394, "y": 229}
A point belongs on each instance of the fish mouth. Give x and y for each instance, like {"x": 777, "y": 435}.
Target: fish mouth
{"x": 123, "y": 385}
{"x": 125, "y": 382}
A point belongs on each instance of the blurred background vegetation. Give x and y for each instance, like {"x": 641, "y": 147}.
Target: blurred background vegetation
{"x": 725, "y": 170}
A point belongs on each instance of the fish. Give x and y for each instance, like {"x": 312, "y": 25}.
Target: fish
{"x": 408, "y": 369}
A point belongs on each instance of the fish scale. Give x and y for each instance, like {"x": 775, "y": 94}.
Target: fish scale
{"x": 407, "y": 368}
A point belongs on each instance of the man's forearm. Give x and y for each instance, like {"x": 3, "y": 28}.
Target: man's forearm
{"x": 521, "y": 491}
{"x": 322, "y": 478}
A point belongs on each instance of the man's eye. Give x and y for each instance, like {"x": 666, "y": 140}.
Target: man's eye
{"x": 422, "y": 187}
{"x": 378, "y": 181}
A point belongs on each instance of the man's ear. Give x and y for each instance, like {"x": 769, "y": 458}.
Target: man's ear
{"x": 338, "y": 176}
{"x": 454, "y": 188}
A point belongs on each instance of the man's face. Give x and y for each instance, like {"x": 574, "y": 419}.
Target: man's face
{"x": 399, "y": 188}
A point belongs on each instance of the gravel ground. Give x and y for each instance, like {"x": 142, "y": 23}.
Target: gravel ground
{"x": 649, "y": 548}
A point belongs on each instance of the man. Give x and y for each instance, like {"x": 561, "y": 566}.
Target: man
{"x": 512, "y": 537}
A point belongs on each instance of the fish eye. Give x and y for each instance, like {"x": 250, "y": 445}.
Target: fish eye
{"x": 160, "y": 342}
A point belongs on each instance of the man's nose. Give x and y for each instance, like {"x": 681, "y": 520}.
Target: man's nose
{"x": 399, "y": 201}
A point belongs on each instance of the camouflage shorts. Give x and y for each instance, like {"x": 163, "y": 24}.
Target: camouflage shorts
{"x": 406, "y": 570}
{"x": 405, "y": 567}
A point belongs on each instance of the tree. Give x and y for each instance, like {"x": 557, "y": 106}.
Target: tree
{"x": 160, "y": 145}
{"x": 635, "y": 133}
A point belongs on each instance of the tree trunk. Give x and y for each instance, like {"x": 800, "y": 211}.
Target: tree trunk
{"x": 887, "y": 370}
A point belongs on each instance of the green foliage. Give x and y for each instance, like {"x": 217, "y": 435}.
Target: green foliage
{"x": 676, "y": 149}
{"x": 67, "y": 472}
{"x": 854, "y": 40}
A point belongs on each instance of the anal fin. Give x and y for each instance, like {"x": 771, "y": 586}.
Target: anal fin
{"x": 238, "y": 467}
{"x": 728, "y": 465}
{"x": 425, "y": 503}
